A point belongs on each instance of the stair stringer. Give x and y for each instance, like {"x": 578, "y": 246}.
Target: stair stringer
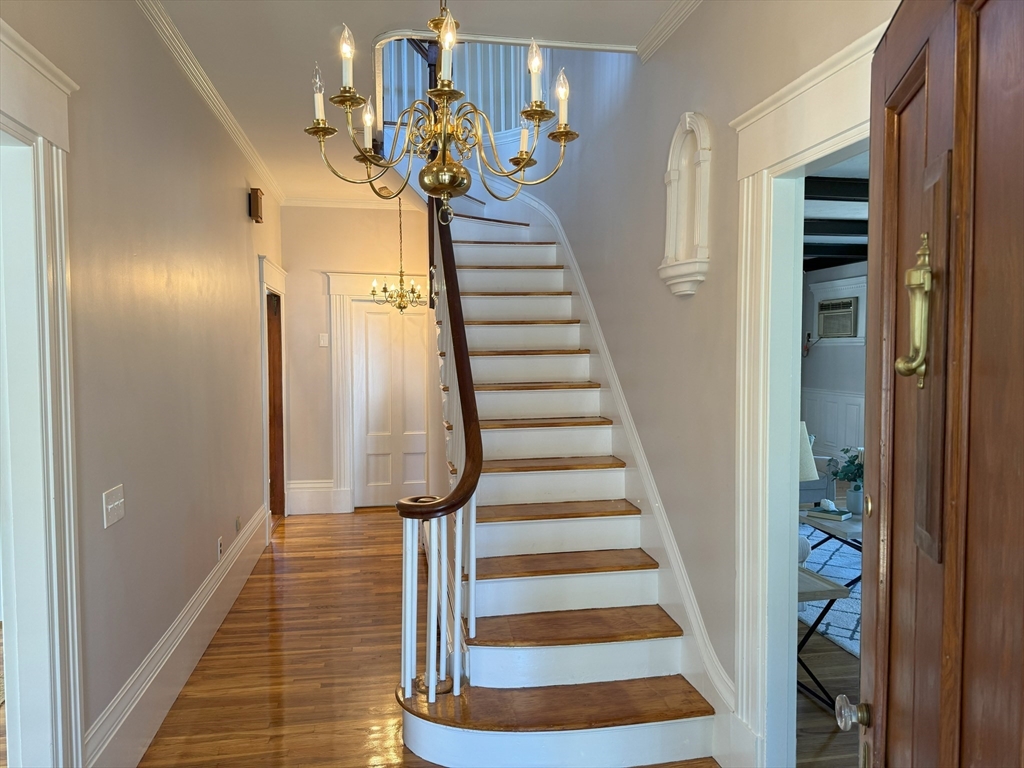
{"x": 733, "y": 742}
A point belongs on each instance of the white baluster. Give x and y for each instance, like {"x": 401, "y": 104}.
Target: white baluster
{"x": 442, "y": 576}
{"x": 457, "y": 612}
{"x": 472, "y": 565}
{"x": 411, "y": 586}
{"x": 432, "y": 615}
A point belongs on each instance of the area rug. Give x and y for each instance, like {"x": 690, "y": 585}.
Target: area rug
{"x": 840, "y": 563}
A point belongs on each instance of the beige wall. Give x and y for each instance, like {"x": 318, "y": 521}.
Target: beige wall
{"x": 316, "y": 241}
{"x": 165, "y": 327}
{"x": 676, "y": 357}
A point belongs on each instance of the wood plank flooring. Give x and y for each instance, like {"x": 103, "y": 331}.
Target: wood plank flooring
{"x": 819, "y": 742}
{"x": 303, "y": 670}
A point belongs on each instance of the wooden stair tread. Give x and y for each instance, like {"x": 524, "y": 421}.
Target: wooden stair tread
{"x": 561, "y": 463}
{"x": 492, "y": 221}
{"x": 554, "y": 510}
{"x": 503, "y": 242}
{"x": 527, "y": 386}
{"x": 522, "y": 322}
{"x": 509, "y": 266}
{"x": 521, "y": 352}
{"x": 478, "y": 294}
{"x": 697, "y": 762}
{"x": 557, "y": 563}
{"x": 592, "y": 625}
{"x": 564, "y": 707}
{"x": 547, "y": 421}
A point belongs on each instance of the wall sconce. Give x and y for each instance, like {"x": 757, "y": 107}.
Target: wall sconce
{"x": 256, "y": 205}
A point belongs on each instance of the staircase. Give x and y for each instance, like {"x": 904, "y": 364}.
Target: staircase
{"x": 573, "y": 662}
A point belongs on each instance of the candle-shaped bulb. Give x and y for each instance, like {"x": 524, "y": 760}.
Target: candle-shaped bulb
{"x": 562, "y": 86}
{"x": 318, "y": 93}
{"x": 534, "y": 61}
{"x": 562, "y": 91}
{"x": 373, "y": 286}
{"x": 448, "y": 31}
{"x": 524, "y": 134}
{"x": 368, "y": 119}
{"x": 348, "y": 50}
{"x": 348, "y": 45}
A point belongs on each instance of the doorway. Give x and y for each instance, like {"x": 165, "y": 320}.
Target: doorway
{"x": 275, "y": 415}
{"x": 389, "y": 351}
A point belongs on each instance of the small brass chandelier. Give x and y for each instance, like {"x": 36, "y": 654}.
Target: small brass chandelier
{"x": 399, "y": 297}
{"x": 439, "y": 132}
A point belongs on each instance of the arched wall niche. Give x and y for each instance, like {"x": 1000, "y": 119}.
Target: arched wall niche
{"x": 686, "y": 218}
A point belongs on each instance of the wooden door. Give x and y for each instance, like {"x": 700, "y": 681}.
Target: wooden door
{"x": 275, "y": 390}
{"x": 943, "y": 643}
{"x": 390, "y": 403}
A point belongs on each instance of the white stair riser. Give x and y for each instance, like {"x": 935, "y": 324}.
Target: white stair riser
{"x": 619, "y": 747}
{"x": 523, "y": 336}
{"x": 505, "y": 254}
{"x": 508, "y": 368}
{"x": 529, "y": 537}
{"x": 517, "y": 307}
{"x": 564, "y": 485}
{"x": 574, "y": 664}
{"x": 510, "y": 280}
{"x": 524, "y": 404}
{"x": 471, "y": 229}
{"x": 566, "y": 592}
{"x": 547, "y": 442}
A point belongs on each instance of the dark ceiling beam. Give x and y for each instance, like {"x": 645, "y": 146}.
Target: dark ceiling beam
{"x": 836, "y": 227}
{"x": 812, "y": 265}
{"x": 835, "y": 251}
{"x": 840, "y": 190}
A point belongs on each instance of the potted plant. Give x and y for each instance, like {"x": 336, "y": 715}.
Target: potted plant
{"x": 852, "y": 471}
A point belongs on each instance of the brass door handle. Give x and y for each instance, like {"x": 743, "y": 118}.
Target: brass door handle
{"x": 918, "y": 281}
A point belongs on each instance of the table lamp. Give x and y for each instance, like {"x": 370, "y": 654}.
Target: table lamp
{"x": 808, "y": 469}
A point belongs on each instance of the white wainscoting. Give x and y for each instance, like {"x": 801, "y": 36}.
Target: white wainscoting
{"x": 836, "y": 419}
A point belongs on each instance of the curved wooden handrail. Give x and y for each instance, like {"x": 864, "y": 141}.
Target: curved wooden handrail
{"x": 430, "y": 507}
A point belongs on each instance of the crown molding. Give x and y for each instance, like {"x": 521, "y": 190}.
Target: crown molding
{"x": 663, "y": 28}
{"x": 23, "y": 48}
{"x": 859, "y": 48}
{"x": 172, "y": 38}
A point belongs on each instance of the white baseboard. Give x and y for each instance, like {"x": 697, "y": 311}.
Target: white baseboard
{"x": 318, "y": 497}
{"x": 122, "y": 733}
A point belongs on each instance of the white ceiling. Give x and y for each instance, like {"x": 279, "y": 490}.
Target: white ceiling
{"x": 260, "y": 55}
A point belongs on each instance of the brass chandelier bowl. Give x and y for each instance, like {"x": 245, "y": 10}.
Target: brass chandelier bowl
{"x": 442, "y": 131}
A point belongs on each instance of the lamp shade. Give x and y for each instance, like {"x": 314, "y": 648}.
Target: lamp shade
{"x": 808, "y": 469}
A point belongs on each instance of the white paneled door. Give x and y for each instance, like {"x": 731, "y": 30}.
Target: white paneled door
{"x": 389, "y": 376}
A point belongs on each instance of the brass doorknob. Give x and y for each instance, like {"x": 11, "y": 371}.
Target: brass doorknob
{"x": 848, "y": 713}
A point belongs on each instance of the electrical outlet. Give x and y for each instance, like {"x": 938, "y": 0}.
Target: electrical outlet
{"x": 238, "y": 524}
{"x": 113, "y": 506}
{"x": 324, "y": 340}
{"x": 220, "y": 548}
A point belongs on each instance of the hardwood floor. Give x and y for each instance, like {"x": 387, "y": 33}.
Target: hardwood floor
{"x": 303, "y": 670}
{"x": 819, "y": 742}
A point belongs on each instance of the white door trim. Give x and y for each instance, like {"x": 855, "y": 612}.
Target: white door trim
{"x": 33, "y": 107}
{"x": 273, "y": 279}
{"x": 777, "y": 145}
{"x": 344, "y": 288}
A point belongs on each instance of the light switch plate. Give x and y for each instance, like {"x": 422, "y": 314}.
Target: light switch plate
{"x": 323, "y": 340}
{"x": 113, "y": 506}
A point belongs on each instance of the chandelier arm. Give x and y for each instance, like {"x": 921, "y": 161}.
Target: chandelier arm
{"x": 500, "y": 171}
{"x": 340, "y": 175}
{"x": 405, "y": 183}
{"x": 369, "y": 159}
{"x": 561, "y": 157}
{"x": 491, "y": 192}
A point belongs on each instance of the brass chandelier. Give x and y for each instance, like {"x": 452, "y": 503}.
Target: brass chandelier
{"x": 439, "y": 132}
{"x": 399, "y": 297}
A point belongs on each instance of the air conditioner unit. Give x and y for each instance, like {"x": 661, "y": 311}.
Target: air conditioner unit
{"x": 837, "y": 318}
